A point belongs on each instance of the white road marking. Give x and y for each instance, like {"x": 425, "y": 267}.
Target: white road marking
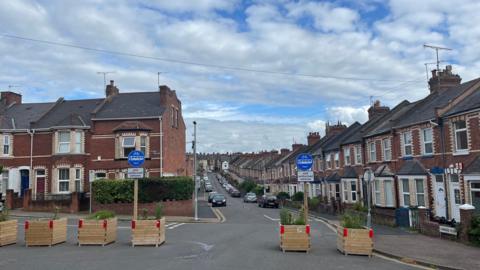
{"x": 272, "y": 219}
{"x": 175, "y": 226}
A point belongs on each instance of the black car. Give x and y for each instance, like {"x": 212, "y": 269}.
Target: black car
{"x": 235, "y": 193}
{"x": 268, "y": 201}
{"x": 210, "y": 196}
{"x": 219, "y": 200}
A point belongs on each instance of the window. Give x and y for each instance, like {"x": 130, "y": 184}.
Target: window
{"x": 6, "y": 144}
{"x": 176, "y": 117}
{"x": 353, "y": 190}
{"x": 329, "y": 165}
{"x": 100, "y": 175}
{"x": 420, "y": 192}
{"x": 346, "y": 154}
{"x": 128, "y": 145}
{"x": 373, "y": 152}
{"x": 387, "y": 150}
{"x": 378, "y": 196}
{"x": 405, "y": 192}
{"x": 358, "y": 154}
{"x": 460, "y": 132}
{"x": 345, "y": 191}
{"x": 78, "y": 180}
{"x": 456, "y": 193}
{"x": 427, "y": 141}
{"x": 337, "y": 191}
{"x": 143, "y": 145}
{"x": 407, "y": 143}
{"x": 4, "y": 182}
{"x": 78, "y": 142}
{"x": 337, "y": 160}
{"x": 64, "y": 142}
{"x": 454, "y": 178}
{"x": 388, "y": 191}
{"x": 63, "y": 180}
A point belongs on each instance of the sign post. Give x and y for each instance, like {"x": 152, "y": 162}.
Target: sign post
{"x": 368, "y": 176}
{"x": 304, "y": 165}
{"x": 135, "y": 159}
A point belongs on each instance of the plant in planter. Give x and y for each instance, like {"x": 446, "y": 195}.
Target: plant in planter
{"x": 294, "y": 233}
{"x": 147, "y": 231}
{"x": 46, "y": 231}
{"x": 8, "y": 229}
{"x": 100, "y": 228}
{"x": 353, "y": 237}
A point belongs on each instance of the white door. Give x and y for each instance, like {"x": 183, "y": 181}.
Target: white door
{"x": 439, "y": 187}
{"x": 455, "y": 199}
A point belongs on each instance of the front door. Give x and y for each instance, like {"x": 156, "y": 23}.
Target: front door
{"x": 40, "y": 174}
{"x": 455, "y": 199}
{"x": 25, "y": 182}
{"x": 439, "y": 188}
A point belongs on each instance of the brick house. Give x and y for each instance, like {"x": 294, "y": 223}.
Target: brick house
{"x": 57, "y": 147}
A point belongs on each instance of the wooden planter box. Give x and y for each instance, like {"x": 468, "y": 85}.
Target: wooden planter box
{"x": 8, "y": 232}
{"x": 295, "y": 237}
{"x": 148, "y": 232}
{"x": 355, "y": 241}
{"x": 45, "y": 232}
{"x": 97, "y": 232}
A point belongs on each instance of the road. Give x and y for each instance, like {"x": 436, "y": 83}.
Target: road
{"x": 248, "y": 239}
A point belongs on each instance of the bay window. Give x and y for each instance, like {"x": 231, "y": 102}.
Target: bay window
{"x": 405, "y": 192}
{"x": 388, "y": 191}
{"x": 63, "y": 180}
{"x": 378, "y": 195}
{"x": 353, "y": 190}
{"x": 128, "y": 145}
{"x": 420, "y": 192}
{"x": 78, "y": 180}
{"x": 64, "y": 142}
{"x": 78, "y": 142}
{"x": 143, "y": 145}
{"x": 345, "y": 191}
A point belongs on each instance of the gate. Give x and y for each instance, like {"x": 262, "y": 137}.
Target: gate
{"x": 402, "y": 218}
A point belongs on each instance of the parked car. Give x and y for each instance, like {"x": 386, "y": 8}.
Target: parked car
{"x": 235, "y": 193}
{"x": 208, "y": 188}
{"x": 268, "y": 201}
{"x": 219, "y": 200}
{"x": 250, "y": 198}
{"x": 210, "y": 196}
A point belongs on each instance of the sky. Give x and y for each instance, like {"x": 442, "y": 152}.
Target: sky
{"x": 255, "y": 75}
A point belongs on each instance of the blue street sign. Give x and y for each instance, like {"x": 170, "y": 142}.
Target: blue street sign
{"x": 136, "y": 158}
{"x": 304, "y": 162}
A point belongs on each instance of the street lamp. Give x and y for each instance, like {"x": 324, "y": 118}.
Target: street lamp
{"x": 195, "y": 167}
{"x": 368, "y": 177}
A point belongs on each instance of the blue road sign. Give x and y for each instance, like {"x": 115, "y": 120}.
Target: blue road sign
{"x": 304, "y": 162}
{"x": 136, "y": 158}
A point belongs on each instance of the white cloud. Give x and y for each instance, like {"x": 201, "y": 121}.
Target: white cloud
{"x": 348, "y": 114}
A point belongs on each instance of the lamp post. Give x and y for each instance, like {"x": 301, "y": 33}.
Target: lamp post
{"x": 368, "y": 177}
{"x": 195, "y": 167}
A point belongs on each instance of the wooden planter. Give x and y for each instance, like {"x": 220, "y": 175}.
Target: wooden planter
{"x": 148, "y": 232}
{"x": 97, "y": 232}
{"x": 355, "y": 241}
{"x": 45, "y": 232}
{"x": 8, "y": 232}
{"x": 295, "y": 237}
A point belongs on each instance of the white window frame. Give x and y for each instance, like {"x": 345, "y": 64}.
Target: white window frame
{"x": 328, "y": 161}
{"x": 425, "y": 141}
{"x": 6, "y": 145}
{"x": 78, "y": 178}
{"x": 143, "y": 144}
{"x": 353, "y": 193}
{"x": 345, "y": 191}
{"x": 378, "y": 193}
{"x": 417, "y": 180}
{"x": 391, "y": 192}
{"x": 337, "y": 160}
{"x": 78, "y": 142}
{"x": 455, "y": 136}
{"x": 387, "y": 149}
{"x": 346, "y": 155}
{"x": 129, "y": 145}
{"x": 372, "y": 150}
{"x": 405, "y": 193}
{"x": 59, "y": 180}
{"x": 407, "y": 136}
{"x": 64, "y": 143}
{"x": 358, "y": 154}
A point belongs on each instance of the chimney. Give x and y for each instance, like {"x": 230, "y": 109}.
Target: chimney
{"x": 296, "y": 146}
{"x": 377, "y": 110}
{"x": 9, "y": 98}
{"x": 284, "y": 151}
{"x": 442, "y": 80}
{"x": 335, "y": 129}
{"x": 111, "y": 90}
{"x": 313, "y": 137}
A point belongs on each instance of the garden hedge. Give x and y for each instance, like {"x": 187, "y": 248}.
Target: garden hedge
{"x": 149, "y": 190}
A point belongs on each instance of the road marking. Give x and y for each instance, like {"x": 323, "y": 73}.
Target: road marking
{"x": 272, "y": 219}
{"x": 171, "y": 227}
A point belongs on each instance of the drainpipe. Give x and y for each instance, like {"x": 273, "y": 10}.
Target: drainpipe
{"x": 161, "y": 146}
{"x": 31, "y": 132}
{"x": 444, "y": 164}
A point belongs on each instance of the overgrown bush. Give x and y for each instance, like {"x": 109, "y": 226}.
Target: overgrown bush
{"x": 358, "y": 206}
{"x": 313, "y": 203}
{"x": 298, "y": 196}
{"x": 102, "y": 214}
{"x": 353, "y": 221}
{"x": 247, "y": 186}
{"x": 283, "y": 195}
{"x": 288, "y": 218}
{"x": 474, "y": 233}
{"x": 158, "y": 211}
{"x": 149, "y": 190}
{"x": 4, "y": 215}
{"x": 258, "y": 190}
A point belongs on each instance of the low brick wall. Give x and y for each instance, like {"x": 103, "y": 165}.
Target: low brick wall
{"x": 170, "y": 208}
{"x": 384, "y": 216}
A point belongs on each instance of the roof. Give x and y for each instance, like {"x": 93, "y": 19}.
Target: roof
{"x": 383, "y": 171}
{"x": 349, "y": 172}
{"x": 69, "y": 113}
{"x": 469, "y": 103}
{"x": 366, "y": 127}
{"x": 334, "y": 177}
{"x": 334, "y": 144}
{"x": 387, "y": 122}
{"x": 473, "y": 167}
{"x": 317, "y": 148}
{"x": 424, "y": 109}
{"x": 23, "y": 114}
{"x": 129, "y": 105}
{"x": 412, "y": 167}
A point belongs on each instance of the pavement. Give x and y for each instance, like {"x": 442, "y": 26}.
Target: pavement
{"x": 247, "y": 238}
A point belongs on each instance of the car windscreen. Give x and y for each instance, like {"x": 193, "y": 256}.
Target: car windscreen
{"x": 219, "y": 197}
{"x": 271, "y": 197}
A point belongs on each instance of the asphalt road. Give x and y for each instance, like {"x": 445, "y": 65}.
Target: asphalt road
{"x": 248, "y": 239}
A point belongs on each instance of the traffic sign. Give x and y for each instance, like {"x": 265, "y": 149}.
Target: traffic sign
{"x": 305, "y": 176}
{"x": 135, "y": 173}
{"x": 304, "y": 162}
{"x": 136, "y": 158}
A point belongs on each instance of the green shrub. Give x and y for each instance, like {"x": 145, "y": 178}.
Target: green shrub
{"x": 144, "y": 215}
{"x": 103, "y": 214}
{"x": 300, "y": 220}
{"x": 286, "y": 217}
{"x": 298, "y": 196}
{"x": 158, "y": 211}
{"x": 258, "y": 190}
{"x": 283, "y": 195}
{"x": 149, "y": 190}
{"x": 358, "y": 206}
{"x": 313, "y": 203}
{"x": 56, "y": 210}
{"x": 247, "y": 186}
{"x": 352, "y": 221}
{"x": 4, "y": 215}
{"x": 474, "y": 232}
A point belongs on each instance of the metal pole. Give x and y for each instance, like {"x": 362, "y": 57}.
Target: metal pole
{"x": 135, "y": 200}
{"x": 91, "y": 195}
{"x": 195, "y": 167}
{"x": 369, "y": 215}
{"x": 305, "y": 201}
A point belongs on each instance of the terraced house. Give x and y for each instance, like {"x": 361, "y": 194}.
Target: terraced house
{"x": 58, "y": 147}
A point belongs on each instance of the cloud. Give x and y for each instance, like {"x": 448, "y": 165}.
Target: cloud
{"x": 348, "y": 114}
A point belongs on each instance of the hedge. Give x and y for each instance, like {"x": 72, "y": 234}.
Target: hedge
{"x": 149, "y": 190}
